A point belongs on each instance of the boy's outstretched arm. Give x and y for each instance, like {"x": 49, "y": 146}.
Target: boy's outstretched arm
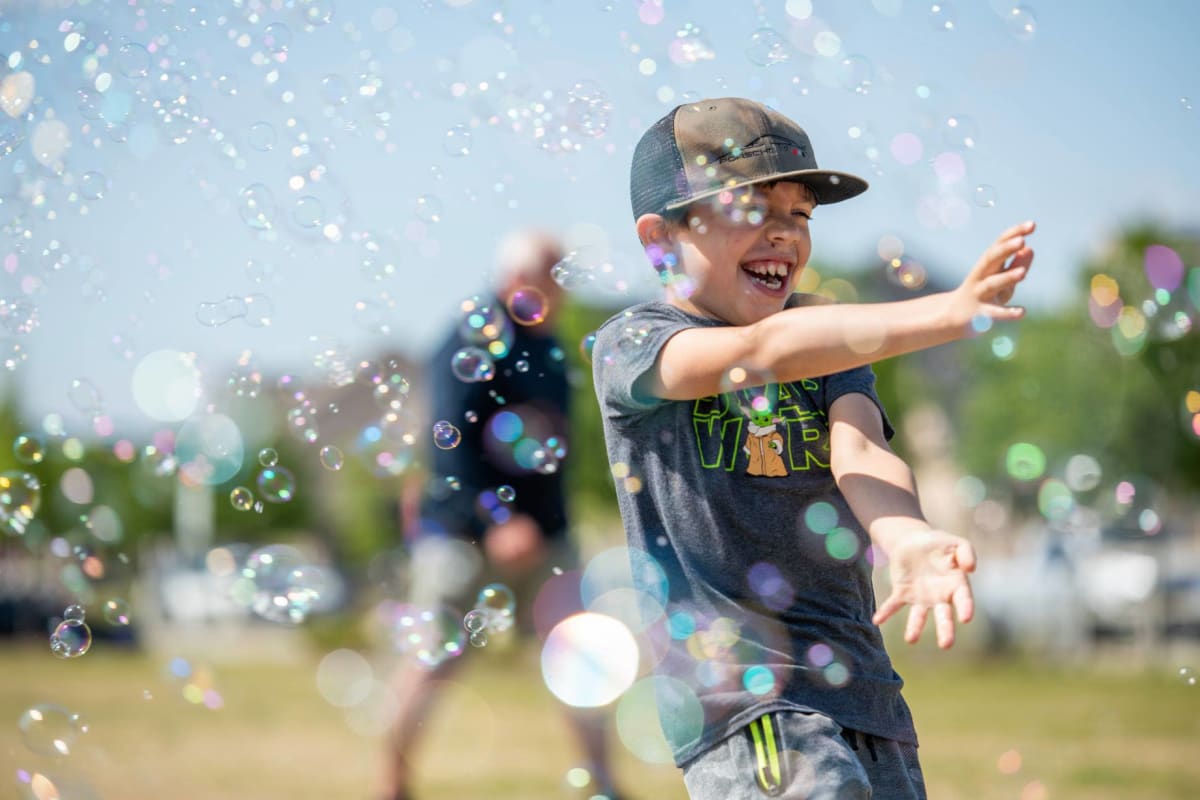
{"x": 928, "y": 567}
{"x": 820, "y": 340}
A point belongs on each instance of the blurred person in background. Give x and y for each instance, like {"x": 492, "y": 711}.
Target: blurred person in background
{"x": 493, "y": 508}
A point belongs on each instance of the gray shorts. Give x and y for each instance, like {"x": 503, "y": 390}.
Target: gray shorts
{"x": 449, "y": 571}
{"x": 805, "y": 756}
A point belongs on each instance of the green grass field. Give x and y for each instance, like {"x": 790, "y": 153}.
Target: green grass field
{"x": 1100, "y": 734}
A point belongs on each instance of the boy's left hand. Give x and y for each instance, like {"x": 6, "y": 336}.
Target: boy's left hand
{"x": 928, "y": 570}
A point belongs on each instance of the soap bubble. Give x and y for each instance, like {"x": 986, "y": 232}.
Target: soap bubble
{"x": 284, "y": 586}
{"x": 506, "y": 493}
{"x": 29, "y": 448}
{"x": 332, "y": 458}
{"x": 71, "y": 639}
{"x": 276, "y": 484}
{"x": 429, "y": 636}
{"x": 528, "y": 306}
{"x": 116, "y": 611}
{"x": 20, "y": 498}
{"x": 445, "y": 435}
{"x": 589, "y": 659}
{"x": 457, "y": 141}
{"x": 241, "y": 498}
{"x": 473, "y": 365}
{"x": 50, "y": 730}
{"x": 75, "y": 612}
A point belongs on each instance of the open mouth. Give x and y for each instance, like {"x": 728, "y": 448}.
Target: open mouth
{"x": 770, "y": 275}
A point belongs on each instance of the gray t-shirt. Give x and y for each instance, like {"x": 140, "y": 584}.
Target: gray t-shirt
{"x": 768, "y": 598}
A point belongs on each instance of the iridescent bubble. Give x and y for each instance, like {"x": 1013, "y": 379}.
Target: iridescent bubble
{"x": 428, "y": 207}
{"x": 75, "y": 612}
{"x": 50, "y": 730}
{"x": 276, "y": 484}
{"x": 767, "y": 47}
{"x": 332, "y": 458}
{"x": 458, "y": 141}
{"x": 116, "y": 612}
{"x": 20, "y": 498}
{"x": 309, "y": 212}
{"x": 960, "y": 132}
{"x": 589, "y": 659}
{"x": 84, "y": 395}
{"x": 1021, "y": 22}
{"x": 528, "y": 306}
{"x": 478, "y": 638}
{"x": 259, "y": 310}
{"x": 571, "y": 272}
{"x": 496, "y": 600}
{"x": 985, "y": 196}
{"x": 93, "y": 185}
{"x": 29, "y": 448}
{"x": 256, "y": 206}
{"x": 475, "y": 620}
{"x": 241, "y": 498}
{"x": 690, "y": 46}
{"x": 133, "y": 60}
{"x": 506, "y": 493}
{"x": 71, "y": 639}
{"x": 335, "y": 90}
{"x": 473, "y": 365}
{"x": 942, "y": 16}
{"x": 261, "y": 137}
{"x": 268, "y": 457}
{"x": 445, "y": 435}
{"x": 277, "y": 37}
{"x": 1025, "y": 461}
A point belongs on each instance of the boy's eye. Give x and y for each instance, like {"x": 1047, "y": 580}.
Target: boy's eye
{"x": 801, "y": 213}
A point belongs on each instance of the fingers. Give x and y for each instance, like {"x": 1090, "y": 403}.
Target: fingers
{"x": 916, "y": 623}
{"x": 964, "y": 603}
{"x": 964, "y": 556}
{"x": 994, "y": 284}
{"x": 1008, "y": 244}
{"x": 889, "y": 607}
{"x": 944, "y": 623}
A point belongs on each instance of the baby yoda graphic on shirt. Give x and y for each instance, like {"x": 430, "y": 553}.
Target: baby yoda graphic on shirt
{"x": 764, "y": 444}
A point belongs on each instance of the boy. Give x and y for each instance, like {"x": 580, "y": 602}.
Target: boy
{"x": 763, "y": 482}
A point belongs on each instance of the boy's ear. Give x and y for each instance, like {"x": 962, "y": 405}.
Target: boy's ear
{"x": 652, "y": 229}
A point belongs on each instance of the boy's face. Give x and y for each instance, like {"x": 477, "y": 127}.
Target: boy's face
{"x": 743, "y": 251}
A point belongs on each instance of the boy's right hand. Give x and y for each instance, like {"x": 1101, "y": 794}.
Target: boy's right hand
{"x": 988, "y": 288}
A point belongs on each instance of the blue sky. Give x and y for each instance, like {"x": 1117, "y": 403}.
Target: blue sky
{"x": 1082, "y": 126}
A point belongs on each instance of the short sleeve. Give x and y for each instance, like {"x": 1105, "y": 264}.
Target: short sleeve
{"x": 862, "y": 381}
{"x": 626, "y": 349}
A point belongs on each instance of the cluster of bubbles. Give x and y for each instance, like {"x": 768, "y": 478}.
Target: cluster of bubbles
{"x": 427, "y": 636}
{"x": 278, "y": 583}
{"x": 495, "y": 606}
{"x": 488, "y": 332}
{"x": 1167, "y": 314}
{"x": 72, "y": 637}
{"x": 256, "y": 309}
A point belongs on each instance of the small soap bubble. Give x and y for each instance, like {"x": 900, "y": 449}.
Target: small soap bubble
{"x": 506, "y": 493}
{"x": 116, "y": 611}
{"x": 985, "y": 196}
{"x": 50, "y": 730}
{"x": 458, "y": 141}
{"x": 942, "y": 16}
{"x": 428, "y": 208}
{"x": 75, "y": 612}
{"x": 93, "y": 185}
{"x": 268, "y": 457}
{"x": 473, "y": 365}
{"x": 1021, "y": 22}
{"x": 309, "y": 212}
{"x": 1187, "y": 675}
{"x": 496, "y": 600}
{"x": 71, "y": 639}
{"x": 471, "y": 416}
{"x": 332, "y": 458}
{"x": 241, "y": 498}
{"x": 276, "y": 484}
{"x": 767, "y": 47}
{"x": 475, "y": 620}
{"x": 478, "y": 638}
{"x": 528, "y": 306}
{"x": 335, "y": 90}
{"x": 29, "y": 448}
{"x": 453, "y": 483}
{"x": 522, "y": 365}
{"x": 445, "y": 435}
{"x": 277, "y": 38}
{"x": 261, "y": 137}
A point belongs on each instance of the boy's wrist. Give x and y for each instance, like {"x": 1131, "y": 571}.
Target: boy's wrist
{"x": 888, "y": 533}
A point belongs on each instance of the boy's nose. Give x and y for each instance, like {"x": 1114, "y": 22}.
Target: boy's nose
{"x": 782, "y": 227}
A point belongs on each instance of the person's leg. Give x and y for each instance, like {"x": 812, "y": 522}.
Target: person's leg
{"x": 441, "y": 571}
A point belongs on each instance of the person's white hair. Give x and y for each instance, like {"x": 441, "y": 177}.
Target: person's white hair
{"x": 525, "y": 255}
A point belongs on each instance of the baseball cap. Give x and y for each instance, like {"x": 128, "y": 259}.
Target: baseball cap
{"x": 701, "y": 149}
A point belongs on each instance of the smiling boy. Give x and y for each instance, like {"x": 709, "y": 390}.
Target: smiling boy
{"x": 764, "y": 486}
